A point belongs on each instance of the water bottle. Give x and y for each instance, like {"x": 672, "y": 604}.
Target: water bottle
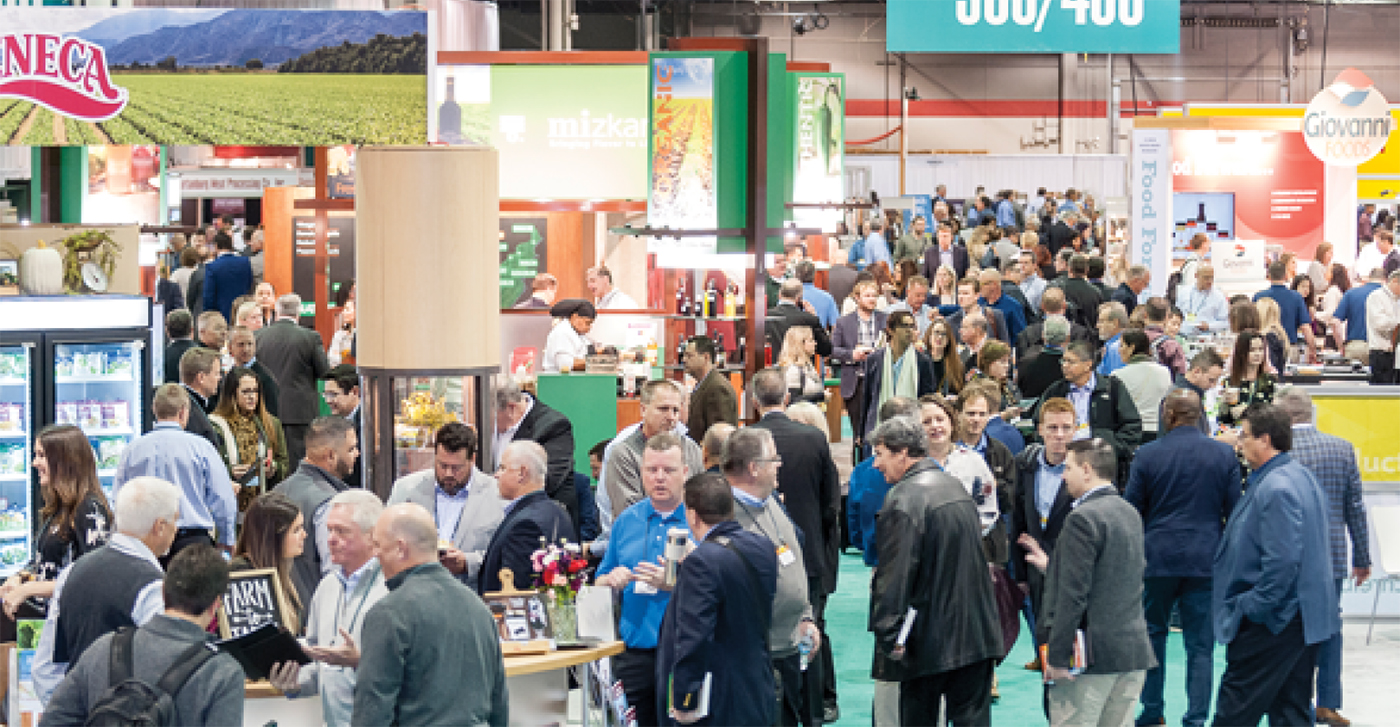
{"x": 804, "y": 648}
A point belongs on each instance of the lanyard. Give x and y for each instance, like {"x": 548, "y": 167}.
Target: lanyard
{"x": 367, "y": 583}
{"x": 452, "y": 535}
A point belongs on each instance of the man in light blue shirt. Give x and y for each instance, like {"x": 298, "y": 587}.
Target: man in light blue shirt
{"x": 877, "y": 249}
{"x": 1032, "y": 285}
{"x": 822, "y": 302}
{"x": 1204, "y": 306}
{"x": 1113, "y": 319}
{"x": 1006, "y": 211}
{"x": 208, "y": 503}
{"x": 635, "y": 564}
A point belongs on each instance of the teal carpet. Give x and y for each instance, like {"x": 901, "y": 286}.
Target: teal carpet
{"x": 1020, "y": 702}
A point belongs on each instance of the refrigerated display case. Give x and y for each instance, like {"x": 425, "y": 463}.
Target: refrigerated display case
{"x": 79, "y": 360}
{"x": 403, "y": 411}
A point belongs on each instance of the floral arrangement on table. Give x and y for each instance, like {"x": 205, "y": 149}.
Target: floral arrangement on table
{"x": 559, "y": 574}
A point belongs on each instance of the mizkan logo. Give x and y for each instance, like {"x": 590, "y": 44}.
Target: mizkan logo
{"x": 67, "y": 75}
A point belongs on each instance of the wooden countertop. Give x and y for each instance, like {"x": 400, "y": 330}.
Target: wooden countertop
{"x": 515, "y": 666}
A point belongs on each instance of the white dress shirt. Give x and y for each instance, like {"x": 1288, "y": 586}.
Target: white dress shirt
{"x": 563, "y": 341}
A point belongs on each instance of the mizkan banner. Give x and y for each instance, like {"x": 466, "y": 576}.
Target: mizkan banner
{"x": 184, "y": 76}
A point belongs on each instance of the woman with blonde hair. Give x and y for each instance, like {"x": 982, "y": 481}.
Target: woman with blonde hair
{"x": 1274, "y": 334}
{"x": 804, "y": 383}
{"x": 947, "y": 364}
{"x": 249, "y": 315}
{"x": 945, "y": 287}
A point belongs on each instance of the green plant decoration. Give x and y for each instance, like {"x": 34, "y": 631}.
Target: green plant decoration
{"x": 95, "y": 246}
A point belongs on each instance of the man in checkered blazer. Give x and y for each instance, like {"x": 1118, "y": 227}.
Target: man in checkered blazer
{"x": 1332, "y": 460}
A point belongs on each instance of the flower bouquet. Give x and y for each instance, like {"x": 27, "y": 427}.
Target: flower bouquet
{"x": 559, "y": 574}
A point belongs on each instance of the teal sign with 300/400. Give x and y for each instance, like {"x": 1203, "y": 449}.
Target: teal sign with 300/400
{"x": 1034, "y": 26}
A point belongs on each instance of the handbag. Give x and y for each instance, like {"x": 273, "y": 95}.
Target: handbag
{"x": 1009, "y": 598}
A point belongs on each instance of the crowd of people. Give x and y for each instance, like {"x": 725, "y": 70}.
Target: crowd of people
{"x": 1036, "y": 437}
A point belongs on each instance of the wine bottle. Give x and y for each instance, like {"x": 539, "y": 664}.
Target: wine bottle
{"x": 680, "y": 298}
{"x": 450, "y": 116}
{"x": 711, "y": 301}
{"x": 719, "y": 348}
{"x": 1201, "y": 215}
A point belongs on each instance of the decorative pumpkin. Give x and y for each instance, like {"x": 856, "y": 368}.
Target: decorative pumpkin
{"x": 41, "y": 271}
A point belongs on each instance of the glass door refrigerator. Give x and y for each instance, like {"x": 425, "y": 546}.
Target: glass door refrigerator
{"x": 79, "y": 360}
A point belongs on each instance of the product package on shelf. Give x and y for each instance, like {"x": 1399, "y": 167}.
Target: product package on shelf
{"x": 11, "y": 417}
{"x": 12, "y": 460}
{"x": 12, "y": 366}
{"x": 109, "y": 452}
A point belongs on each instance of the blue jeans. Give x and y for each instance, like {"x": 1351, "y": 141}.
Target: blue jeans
{"x": 1329, "y": 666}
{"x": 1192, "y": 596}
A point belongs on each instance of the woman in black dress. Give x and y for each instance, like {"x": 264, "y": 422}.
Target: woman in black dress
{"x": 75, "y": 517}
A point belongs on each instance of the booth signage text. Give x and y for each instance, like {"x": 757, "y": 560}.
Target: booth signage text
{"x": 67, "y": 75}
{"x": 1034, "y": 26}
{"x": 1348, "y": 123}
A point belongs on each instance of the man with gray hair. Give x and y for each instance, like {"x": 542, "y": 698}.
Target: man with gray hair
{"x": 335, "y": 617}
{"x": 112, "y": 587}
{"x": 751, "y": 465}
{"x": 431, "y": 653}
{"x": 1128, "y": 291}
{"x": 1041, "y": 365}
{"x": 531, "y": 517}
{"x": 520, "y": 416}
{"x": 297, "y": 360}
{"x": 1332, "y": 460}
{"x": 1113, "y": 320}
{"x": 930, "y": 540}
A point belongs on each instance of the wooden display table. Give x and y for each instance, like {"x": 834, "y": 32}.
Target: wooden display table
{"x": 538, "y": 686}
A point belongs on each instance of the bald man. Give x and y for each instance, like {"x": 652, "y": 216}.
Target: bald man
{"x": 431, "y": 654}
{"x": 1184, "y": 485}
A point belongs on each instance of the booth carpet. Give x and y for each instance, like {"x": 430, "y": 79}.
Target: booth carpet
{"x": 1020, "y": 703}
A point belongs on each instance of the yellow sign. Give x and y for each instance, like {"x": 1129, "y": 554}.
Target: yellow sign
{"x": 1387, "y": 162}
{"x": 1361, "y": 420}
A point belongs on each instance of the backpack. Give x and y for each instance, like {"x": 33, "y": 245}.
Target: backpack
{"x": 130, "y": 702}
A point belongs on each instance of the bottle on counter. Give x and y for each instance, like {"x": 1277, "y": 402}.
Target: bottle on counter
{"x": 681, "y": 304}
{"x": 731, "y": 302}
{"x": 711, "y": 300}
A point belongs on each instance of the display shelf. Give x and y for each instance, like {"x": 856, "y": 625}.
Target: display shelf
{"x": 12, "y": 381}
{"x": 95, "y": 379}
{"x": 13, "y": 478}
{"x": 674, "y": 317}
{"x": 13, "y": 534}
{"x": 104, "y": 474}
{"x": 119, "y": 432}
{"x": 12, "y": 434}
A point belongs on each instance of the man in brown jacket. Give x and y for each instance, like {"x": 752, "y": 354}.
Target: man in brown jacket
{"x": 713, "y": 399}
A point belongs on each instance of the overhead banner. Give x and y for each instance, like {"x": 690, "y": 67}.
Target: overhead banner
{"x": 1033, "y": 26}
{"x": 819, "y": 174}
{"x": 682, "y": 168}
{"x": 1152, "y": 205}
{"x": 563, "y": 132}
{"x": 184, "y": 76}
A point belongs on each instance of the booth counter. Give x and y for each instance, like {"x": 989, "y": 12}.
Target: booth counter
{"x": 538, "y": 686}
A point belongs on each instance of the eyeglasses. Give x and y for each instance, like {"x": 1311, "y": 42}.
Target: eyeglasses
{"x": 774, "y": 460}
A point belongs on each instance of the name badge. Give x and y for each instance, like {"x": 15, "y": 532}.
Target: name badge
{"x": 643, "y": 589}
{"x": 785, "y": 556}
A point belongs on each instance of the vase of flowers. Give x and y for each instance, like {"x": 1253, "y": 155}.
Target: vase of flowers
{"x": 558, "y": 577}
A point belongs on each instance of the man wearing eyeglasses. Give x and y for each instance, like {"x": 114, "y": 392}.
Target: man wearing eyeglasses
{"x": 1102, "y": 405}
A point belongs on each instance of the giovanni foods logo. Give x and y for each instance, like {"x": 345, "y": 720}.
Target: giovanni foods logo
{"x": 67, "y": 75}
{"x": 1348, "y": 122}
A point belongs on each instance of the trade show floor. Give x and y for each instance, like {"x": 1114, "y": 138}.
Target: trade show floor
{"x": 1368, "y": 679}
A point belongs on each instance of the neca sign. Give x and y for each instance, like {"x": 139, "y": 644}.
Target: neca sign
{"x": 1349, "y": 122}
{"x": 67, "y": 75}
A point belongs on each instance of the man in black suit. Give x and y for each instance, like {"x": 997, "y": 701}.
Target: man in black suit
{"x": 200, "y": 372}
{"x": 522, "y": 417}
{"x": 1052, "y": 303}
{"x": 1041, "y": 503}
{"x": 1041, "y": 364}
{"x": 1062, "y": 233}
{"x": 1129, "y": 290}
{"x": 1082, "y": 296}
{"x": 342, "y": 395}
{"x": 297, "y": 359}
{"x": 179, "y": 328}
{"x": 786, "y": 314}
{"x": 716, "y": 624}
{"x": 531, "y": 517}
{"x": 946, "y": 252}
{"x": 811, "y": 490}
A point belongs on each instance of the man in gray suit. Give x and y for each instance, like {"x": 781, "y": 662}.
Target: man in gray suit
{"x": 1094, "y": 584}
{"x": 297, "y": 360}
{"x": 464, "y": 501}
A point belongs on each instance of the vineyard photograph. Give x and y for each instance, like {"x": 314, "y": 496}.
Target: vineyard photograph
{"x": 204, "y": 77}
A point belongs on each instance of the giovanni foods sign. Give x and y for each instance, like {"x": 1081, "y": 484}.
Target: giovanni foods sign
{"x": 1348, "y": 123}
{"x": 65, "y": 74}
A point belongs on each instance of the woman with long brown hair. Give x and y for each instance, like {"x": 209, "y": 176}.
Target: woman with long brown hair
{"x": 1249, "y": 381}
{"x": 273, "y": 534}
{"x": 254, "y": 445}
{"x": 76, "y": 518}
{"x": 947, "y": 365}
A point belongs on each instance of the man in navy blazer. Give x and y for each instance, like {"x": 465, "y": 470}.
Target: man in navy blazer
{"x": 1184, "y": 485}
{"x": 717, "y": 622}
{"x": 530, "y": 517}
{"x": 1274, "y": 599}
{"x": 226, "y": 278}
{"x": 946, "y": 252}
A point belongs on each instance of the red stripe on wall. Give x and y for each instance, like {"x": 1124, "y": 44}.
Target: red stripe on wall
{"x": 1004, "y": 108}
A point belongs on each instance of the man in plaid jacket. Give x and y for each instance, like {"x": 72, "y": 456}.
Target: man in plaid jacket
{"x": 1332, "y": 460}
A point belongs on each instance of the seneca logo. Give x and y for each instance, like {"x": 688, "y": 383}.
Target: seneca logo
{"x": 67, "y": 75}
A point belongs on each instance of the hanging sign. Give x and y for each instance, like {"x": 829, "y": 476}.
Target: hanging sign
{"x": 1348, "y": 123}
{"x": 64, "y": 74}
{"x": 682, "y": 193}
{"x": 819, "y": 174}
{"x": 1033, "y": 26}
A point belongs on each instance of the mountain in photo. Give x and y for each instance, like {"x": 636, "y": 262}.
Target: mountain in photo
{"x": 271, "y": 36}
{"x": 122, "y": 26}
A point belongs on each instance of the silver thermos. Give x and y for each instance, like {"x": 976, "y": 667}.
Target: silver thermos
{"x": 677, "y": 540}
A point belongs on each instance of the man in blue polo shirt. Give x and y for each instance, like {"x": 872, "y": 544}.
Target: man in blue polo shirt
{"x": 635, "y": 564}
{"x": 1352, "y": 311}
{"x": 1293, "y": 311}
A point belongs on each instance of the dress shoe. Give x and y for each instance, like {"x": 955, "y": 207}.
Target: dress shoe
{"x": 1033, "y": 664}
{"x": 1331, "y": 717}
{"x": 831, "y": 714}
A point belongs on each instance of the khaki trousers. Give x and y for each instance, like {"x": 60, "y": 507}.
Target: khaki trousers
{"x": 1096, "y": 700}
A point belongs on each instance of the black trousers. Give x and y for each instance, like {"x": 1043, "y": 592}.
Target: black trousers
{"x": 1267, "y": 673}
{"x": 184, "y": 538}
{"x": 819, "y": 681}
{"x": 793, "y": 708}
{"x": 968, "y": 691}
{"x": 636, "y": 669}
{"x": 1382, "y": 367}
{"x": 855, "y": 409}
{"x": 296, "y": 443}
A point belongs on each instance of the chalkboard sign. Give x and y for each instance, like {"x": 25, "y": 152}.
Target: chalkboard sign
{"x": 253, "y": 598}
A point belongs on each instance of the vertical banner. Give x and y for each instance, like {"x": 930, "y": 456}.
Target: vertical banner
{"x": 682, "y": 156}
{"x": 1152, "y": 205}
{"x": 819, "y": 174}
